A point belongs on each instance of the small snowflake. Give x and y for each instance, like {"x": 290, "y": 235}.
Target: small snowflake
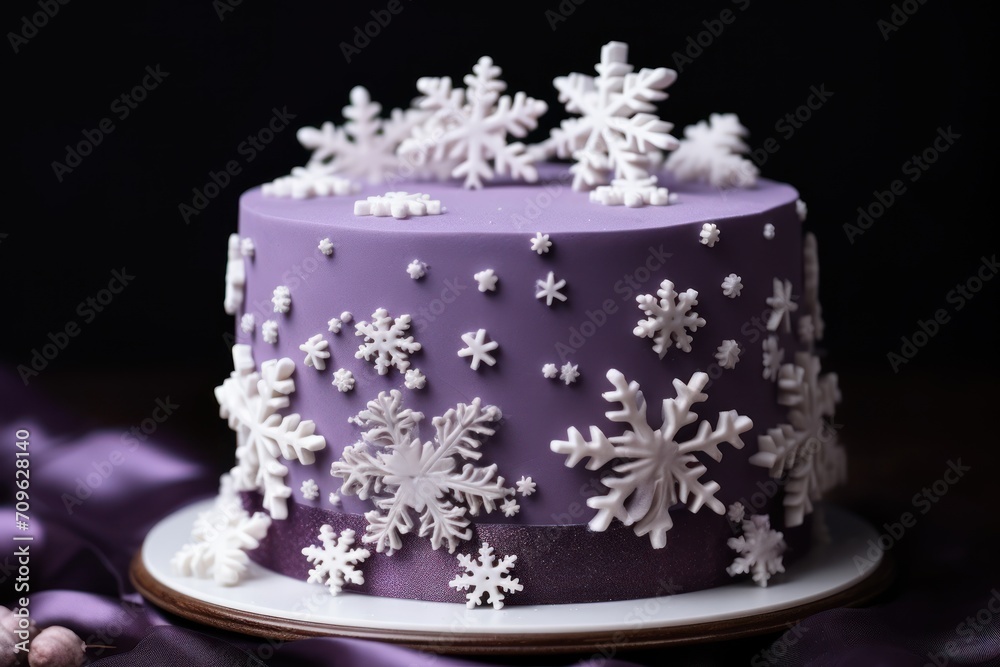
{"x": 326, "y": 247}
{"x": 769, "y": 231}
{"x": 487, "y": 577}
{"x": 801, "y": 209}
{"x": 772, "y": 358}
{"x": 633, "y": 194}
{"x": 667, "y": 319}
{"x": 269, "y": 330}
{"x": 282, "y": 299}
{"x": 760, "y": 550}
{"x": 334, "y": 325}
{"x": 416, "y": 269}
{"x": 236, "y": 276}
{"x": 525, "y": 486}
{"x": 333, "y": 499}
{"x": 709, "y": 234}
{"x": 732, "y": 285}
{"x": 414, "y": 379}
{"x": 343, "y": 380}
{"x": 487, "y": 279}
{"x": 247, "y": 247}
{"x": 550, "y": 371}
{"x": 728, "y": 354}
{"x": 782, "y": 306}
{"x": 569, "y": 373}
{"x": 510, "y": 507}
{"x": 309, "y": 181}
{"x": 334, "y": 562}
{"x": 548, "y": 289}
{"x": 316, "y": 352}
{"x": 399, "y": 205}
{"x": 478, "y": 348}
{"x": 736, "y": 513}
{"x": 540, "y": 243}
{"x": 247, "y": 323}
{"x": 385, "y": 341}
{"x": 309, "y": 489}
{"x": 713, "y": 151}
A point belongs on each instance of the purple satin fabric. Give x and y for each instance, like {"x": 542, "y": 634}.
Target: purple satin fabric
{"x": 81, "y": 552}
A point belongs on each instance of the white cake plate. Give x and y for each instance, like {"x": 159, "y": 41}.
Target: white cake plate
{"x": 272, "y": 605}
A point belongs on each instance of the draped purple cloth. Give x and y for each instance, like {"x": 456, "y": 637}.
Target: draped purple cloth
{"x": 84, "y": 538}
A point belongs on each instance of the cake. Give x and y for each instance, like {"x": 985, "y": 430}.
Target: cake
{"x": 583, "y": 397}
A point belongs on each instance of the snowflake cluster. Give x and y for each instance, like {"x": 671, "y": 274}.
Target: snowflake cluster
{"x": 713, "y": 151}
{"x": 282, "y": 299}
{"x": 760, "y": 550}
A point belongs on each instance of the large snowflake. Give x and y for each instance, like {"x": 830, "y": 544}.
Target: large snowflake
{"x": 407, "y": 476}
{"x": 334, "y": 560}
{"x": 467, "y": 128}
{"x": 657, "y": 470}
{"x": 805, "y": 450}
{"x": 713, "y": 151}
{"x": 487, "y": 577}
{"x": 760, "y": 550}
{"x": 616, "y": 134}
{"x": 250, "y": 401}
{"x": 668, "y": 318}
{"x": 385, "y": 340}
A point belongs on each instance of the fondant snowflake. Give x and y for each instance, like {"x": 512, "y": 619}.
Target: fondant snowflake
{"x": 416, "y": 269}
{"x": 525, "y": 486}
{"x": 269, "y": 331}
{"x": 728, "y": 354}
{"x": 615, "y": 132}
{"x": 550, "y": 371}
{"x": 316, "y": 352}
{"x": 334, "y": 325}
{"x": 309, "y": 489}
{"x": 655, "y": 469}
{"x": 732, "y": 285}
{"x": 478, "y": 348}
{"x": 810, "y": 286}
{"x": 801, "y": 210}
{"x": 760, "y": 550}
{"x": 668, "y": 318}
{"x": 220, "y": 539}
{"x": 247, "y": 323}
{"x": 548, "y": 289}
{"x": 309, "y": 181}
{"x": 632, "y": 193}
{"x": 247, "y": 247}
{"x": 569, "y": 373}
{"x": 414, "y": 379}
{"x": 326, "y": 246}
{"x": 334, "y": 561}
{"x": 236, "y": 277}
{"x": 769, "y": 231}
{"x": 805, "y": 450}
{"x": 487, "y": 280}
{"x": 736, "y": 512}
{"x": 510, "y": 507}
{"x": 773, "y": 357}
{"x": 385, "y": 341}
{"x": 416, "y": 481}
{"x": 712, "y": 151}
{"x": 250, "y": 401}
{"x": 333, "y": 498}
{"x": 343, "y": 380}
{"x": 709, "y": 234}
{"x": 467, "y": 128}
{"x": 282, "y": 299}
{"x": 487, "y": 577}
{"x": 540, "y": 243}
{"x": 399, "y": 205}
{"x": 782, "y": 306}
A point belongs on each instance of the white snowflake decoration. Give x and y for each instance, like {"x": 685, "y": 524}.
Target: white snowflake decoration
{"x": 236, "y": 277}
{"x": 769, "y": 231}
{"x": 806, "y": 330}
{"x": 615, "y": 133}
{"x": 309, "y": 489}
{"x": 632, "y": 193}
{"x": 772, "y": 358}
{"x": 801, "y": 210}
{"x": 510, "y": 507}
{"x": 713, "y": 152}
{"x": 326, "y": 246}
{"x": 399, "y": 205}
{"x": 416, "y": 269}
{"x": 468, "y": 127}
{"x": 346, "y": 317}
{"x": 709, "y": 234}
{"x": 550, "y": 371}
{"x": 250, "y": 400}
{"x": 782, "y": 306}
{"x": 525, "y": 486}
{"x": 415, "y": 379}
{"x": 810, "y": 287}
{"x": 548, "y": 289}
{"x": 668, "y": 320}
{"x": 487, "y": 279}
{"x": 760, "y": 550}
{"x": 247, "y": 323}
{"x": 269, "y": 331}
{"x": 732, "y": 285}
{"x": 334, "y": 325}
{"x": 487, "y": 577}
{"x": 656, "y": 470}
{"x": 728, "y": 354}
{"x": 247, "y": 247}
{"x": 282, "y": 299}
{"x": 334, "y": 561}
{"x": 385, "y": 341}
{"x": 411, "y": 480}
{"x": 309, "y": 181}
{"x": 316, "y": 352}
{"x": 343, "y": 380}
{"x": 333, "y": 498}
{"x": 569, "y": 373}
{"x": 736, "y": 512}
{"x": 478, "y": 348}
{"x": 220, "y": 539}
{"x": 540, "y": 243}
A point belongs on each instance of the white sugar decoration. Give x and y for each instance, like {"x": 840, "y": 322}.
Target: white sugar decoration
{"x": 269, "y": 331}
{"x": 736, "y": 512}
{"x": 569, "y": 373}
{"x": 478, "y": 349}
{"x": 316, "y": 352}
{"x": 732, "y": 285}
{"x": 801, "y": 210}
{"x": 282, "y": 299}
{"x": 247, "y": 323}
{"x": 326, "y": 247}
{"x": 250, "y": 401}
{"x": 769, "y": 231}
{"x": 487, "y": 577}
{"x": 510, "y": 507}
{"x": 661, "y": 470}
{"x": 773, "y": 356}
{"x": 728, "y": 354}
{"x": 247, "y": 247}
{"x": 467, "y": 128}
{"x": 333, "y": 498}
{"x": 236, "y": 277}
{"x": 412, "y": 480}
{"x": 334, "y": 560}
{"x": 309, "y": 489}
{"x": 548, "y": 289}
{"x": 487, "y": 279}
{"x": 525, "y": 486}
{"x": 667, "y": 319}
{"x": 760, "y": 550}
{"x": 632, "y": 193}
{"x": 550, "y": 371}
{"x": 385, "y": 341}
{"x": 540, "y": 243}
{"x": 220, "y": 539}
{"x": 709, "y": 234}
{"x": 343, "y": 380}
{"x": 334, "y": 325}
{"x": 782, "y": 306}
{"x": 616, "y": 134}
{"x": 416, "y": 269}
{"x": 805, "y": 451}
{"x": 414, "y": 379}
{"x": 712, "y": 151}
{"x": 810, "y": 288}
{"x": 399, "y": 205}
{"x": 309, "y": 181}
{"x": 346, "y": 317}
{"x": 806, "y": 330}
